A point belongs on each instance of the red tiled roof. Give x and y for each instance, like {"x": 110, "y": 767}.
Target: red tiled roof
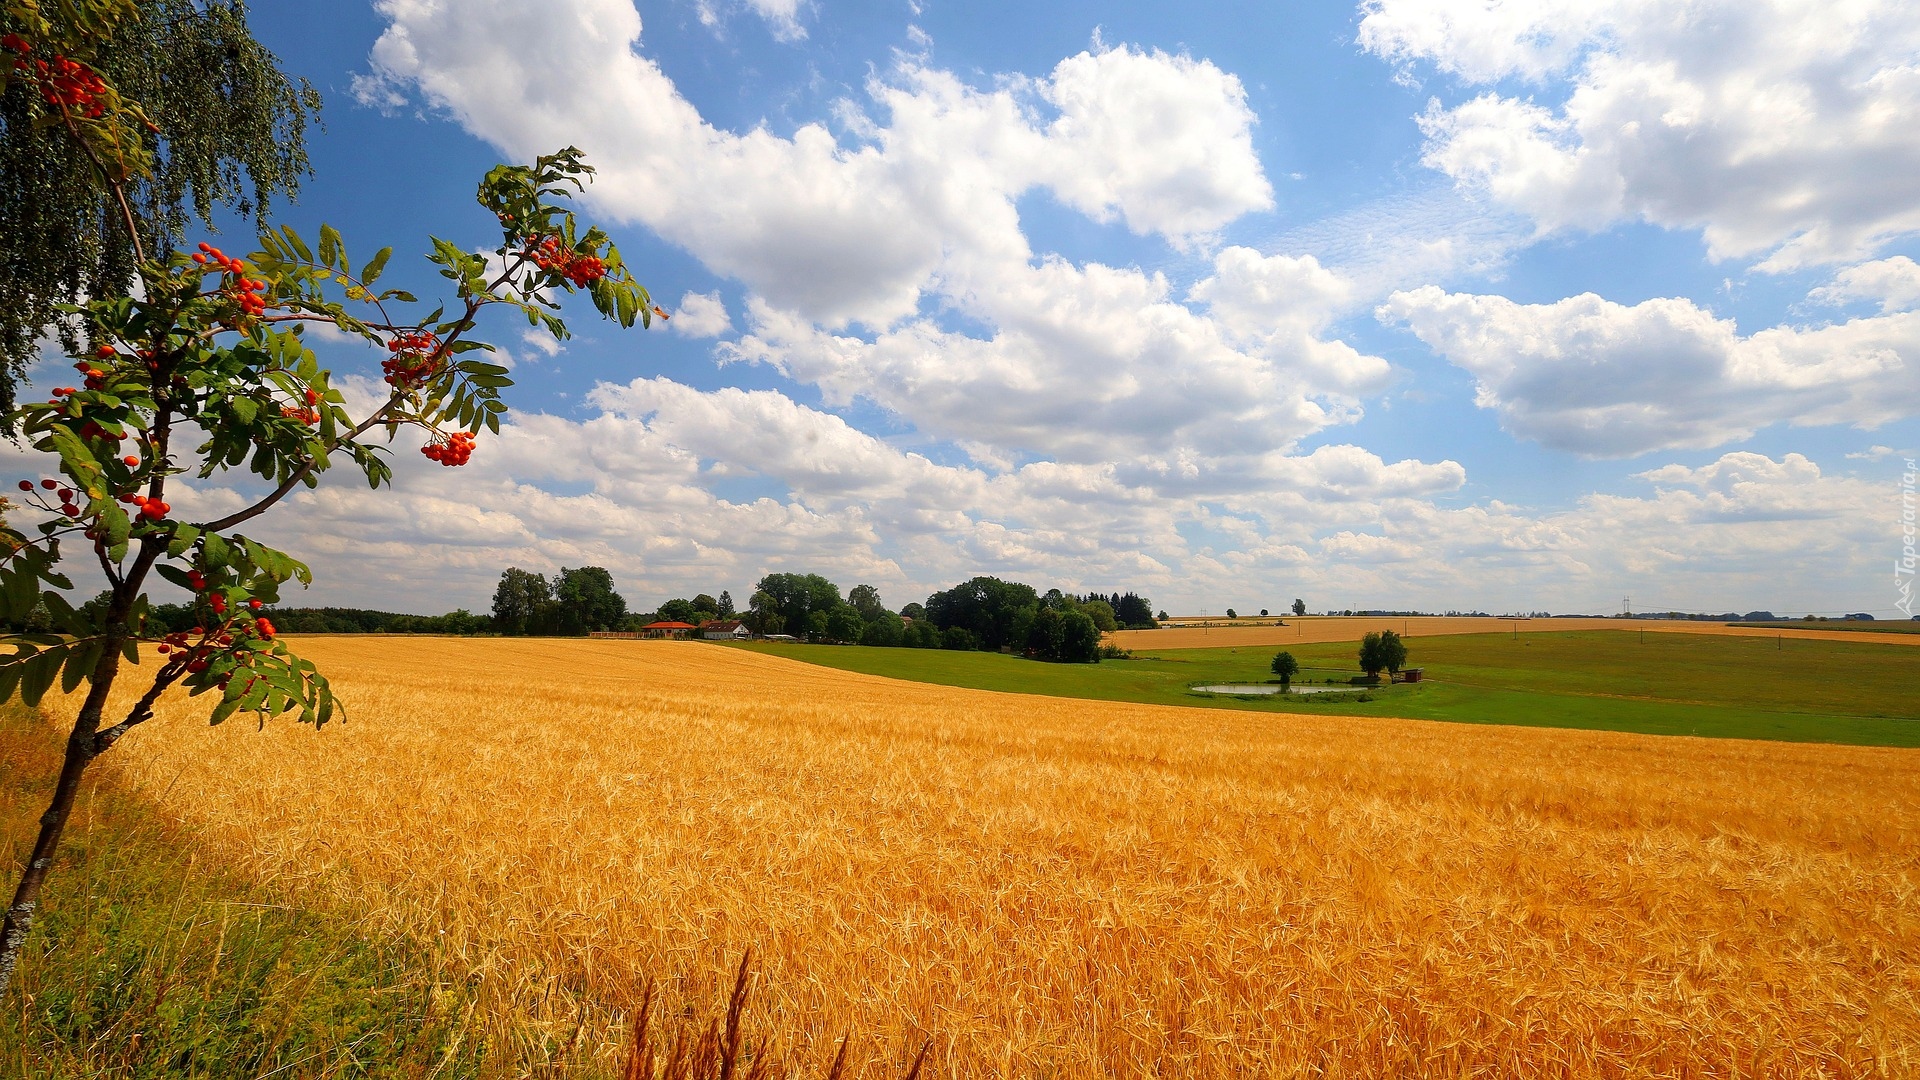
{"x": 668, "y": 626}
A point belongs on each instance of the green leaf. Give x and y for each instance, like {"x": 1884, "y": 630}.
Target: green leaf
{"x": 299, "y": 246}
{"x": 119, "y": 527}
{"x": 80, "y": 664}
{"x": 183, "y": 537}
{"x": 37, "y": 675}
{"x": 217, "y": 551}
{"x": 331, "y": 252}
{"x": 244, "y": 409}
{"x": 222, "y": 711}
{"x": 370, "y": 273}
{"x": 21, "y": 586}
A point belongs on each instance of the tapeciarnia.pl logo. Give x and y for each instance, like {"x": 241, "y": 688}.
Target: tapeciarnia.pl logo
{"x": 1904, "y": 566}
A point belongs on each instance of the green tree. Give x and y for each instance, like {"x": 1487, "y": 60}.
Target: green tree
{"x": 1101, "y": 612}
{"x": 678, "y": 609}
{"x": 845, "y": 625}
{"x": 1393, "y": 652}
{"x": 203, "y": 368}
{"x": 913, "y": 611}
{"x": 208, "y": 349}
{"x": 1285, "y": 666}
{"x": 1372, "y": 659}
{"x": 763, "y": 614}
{"x": 1299, "y": 606}
{"x": 796, "y": 598}
{"x": 1231, "y": 615}
{"x": 885, "y": 632}
{"x": 705, "y": 602}
{"x": 218, "y": 129}
{"x": 522, "y": 602}
{"x": 585, "y": 601}
{"x": 994, "y": 613}
{"x": 1079, "y": 639}
{"x": 724, "y": 608}
{"x": 865, "y": 599}
{"x": 1134, "y": 612}
{"x": 1047, "y": 634}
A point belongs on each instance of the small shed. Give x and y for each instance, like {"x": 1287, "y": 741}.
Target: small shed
{"x": 668, "y": 630}
{"x": 1412, "y": 674}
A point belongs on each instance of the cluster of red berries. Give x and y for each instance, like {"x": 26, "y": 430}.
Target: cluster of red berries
{"x": 91, "y": 430}
{"x": 245, "y": 291}
{"x": 64, "y": 83}
{"x": 179, "y": 642}
{"x": 151, "y": 509}
{"x": 199, "y": 654}
{"x": 306, "y": 414}
{"x": 67, "y": 496}
{"x": 549, "y": 254}
{"x": 415, "y": 359}
{"x": 96, "y": 379}
{"x": 455, "y": 451}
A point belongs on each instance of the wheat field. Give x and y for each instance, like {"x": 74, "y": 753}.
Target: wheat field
{"x": 1063, "y": 888}
{"x": 1193, "y": 634}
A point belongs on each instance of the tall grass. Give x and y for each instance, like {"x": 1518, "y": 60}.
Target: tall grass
{"x": 151, "y": 959}
{"x": 1045, "y": 887}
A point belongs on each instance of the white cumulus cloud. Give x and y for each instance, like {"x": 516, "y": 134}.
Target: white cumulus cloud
{"x": 1779, "y": 128}
{"x": 1603, "y": 379}
{"x": 700, "y": 315}
{"x": 837, "y": 230}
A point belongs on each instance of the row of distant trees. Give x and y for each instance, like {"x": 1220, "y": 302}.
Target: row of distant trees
{"x": 982, "y": 613}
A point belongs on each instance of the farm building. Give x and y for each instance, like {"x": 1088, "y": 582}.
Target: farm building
{"x": 668, "y": 630}
{"x": 725, "y": 630}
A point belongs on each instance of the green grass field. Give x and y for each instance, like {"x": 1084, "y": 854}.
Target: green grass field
{"x": 1669, "y": 684}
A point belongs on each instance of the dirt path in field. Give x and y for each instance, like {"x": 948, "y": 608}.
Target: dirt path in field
{"x": 1318, "y": 628}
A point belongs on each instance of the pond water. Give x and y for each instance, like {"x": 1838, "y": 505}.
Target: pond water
{"x": 1274, "y": 688}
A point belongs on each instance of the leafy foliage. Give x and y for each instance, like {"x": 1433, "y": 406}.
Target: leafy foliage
{"x": 577, "y": 601}
{"x": 218, "y": 126}
{"x": 1285, "y": 666}
{"x": 1382, "y": 651}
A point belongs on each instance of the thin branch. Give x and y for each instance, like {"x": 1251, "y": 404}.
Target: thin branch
{"x": 142, "y": 710}
{"x": 296, "y": 476}
{"x": 119, "y": 190}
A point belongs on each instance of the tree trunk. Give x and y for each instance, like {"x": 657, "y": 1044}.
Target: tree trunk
{"x": 80, "y": 754}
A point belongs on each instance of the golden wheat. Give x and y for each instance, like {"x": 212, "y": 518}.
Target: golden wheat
{"x": 1227, "y": 634}
{"x": 1049, "y": 887}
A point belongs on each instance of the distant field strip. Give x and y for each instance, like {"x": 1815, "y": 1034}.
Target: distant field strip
{"x": 1312, "y": 629}
{"x": 1816, "y": 689}
{"x": 1069, "y": 888}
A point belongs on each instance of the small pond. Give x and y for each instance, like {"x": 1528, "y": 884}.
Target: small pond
{"x": 1275, "y": 688}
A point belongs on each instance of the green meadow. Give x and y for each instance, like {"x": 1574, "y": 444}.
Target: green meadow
{"x": 1663, "y": 684}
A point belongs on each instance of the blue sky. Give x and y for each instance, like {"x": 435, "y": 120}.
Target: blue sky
{"x": 1412, "y": 304}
